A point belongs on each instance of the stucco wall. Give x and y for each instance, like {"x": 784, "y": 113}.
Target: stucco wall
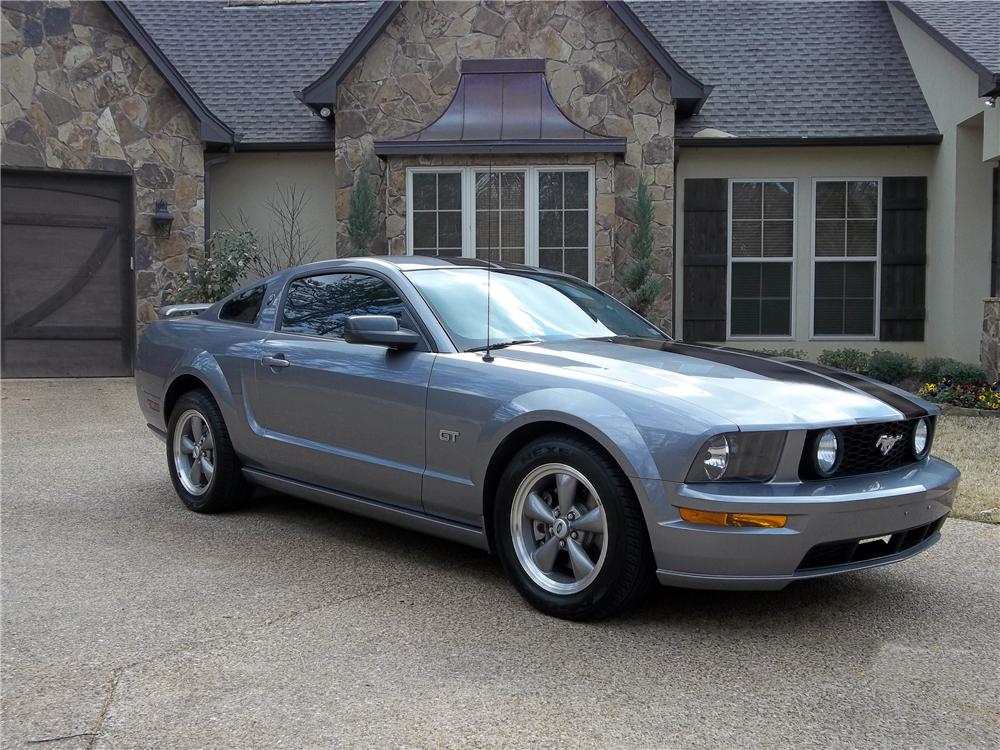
{"x": 959, "y": 195}
{"x": 803, "y": 164}
{"x": 599, "y": 76}
{"x": 246, "y": 183}
{"x": 78, "y": 94}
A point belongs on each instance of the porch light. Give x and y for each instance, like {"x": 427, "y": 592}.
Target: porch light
{"x": 162, "y": 220}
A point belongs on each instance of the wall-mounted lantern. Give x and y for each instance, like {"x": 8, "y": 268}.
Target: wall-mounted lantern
{"x": 162, "y": 220}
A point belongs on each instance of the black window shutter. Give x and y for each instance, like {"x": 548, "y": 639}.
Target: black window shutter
{"x": 904, "y": 258}
{"x": 706, "y": 205}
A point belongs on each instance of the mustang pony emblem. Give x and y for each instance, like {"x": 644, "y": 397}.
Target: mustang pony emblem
{"x": 885, "y": 443}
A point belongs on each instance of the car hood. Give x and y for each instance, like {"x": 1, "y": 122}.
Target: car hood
{"x": 749, "y": 389}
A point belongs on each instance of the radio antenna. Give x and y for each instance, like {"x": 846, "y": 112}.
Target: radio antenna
{"x": 488, "y": 357}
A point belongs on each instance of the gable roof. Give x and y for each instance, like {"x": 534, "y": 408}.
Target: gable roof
{"x": 777, "y": 71}
{"x": 248, "y": 61}
{"x": 688, "y": 90}
{"x": 969, "y": 30}
{"x": 789, "y": 71}
{"x": 213, "y": 130}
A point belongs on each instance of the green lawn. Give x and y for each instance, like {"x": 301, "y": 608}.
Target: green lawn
{"x": 973, "y": 445}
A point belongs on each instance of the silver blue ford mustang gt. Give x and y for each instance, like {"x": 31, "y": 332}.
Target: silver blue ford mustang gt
{"x": 553, "y": 427}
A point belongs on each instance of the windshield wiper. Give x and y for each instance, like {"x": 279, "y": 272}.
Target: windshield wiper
{"x": 503, "y": 345}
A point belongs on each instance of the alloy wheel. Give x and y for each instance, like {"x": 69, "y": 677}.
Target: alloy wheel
{"x": 194, "y": 452}
{"x": 559, "y": 528}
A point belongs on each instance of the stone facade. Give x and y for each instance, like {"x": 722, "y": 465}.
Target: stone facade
{"x": 599, "y": 75}
{"x": 79, "y": 94}
{"x": 989, "y": 354}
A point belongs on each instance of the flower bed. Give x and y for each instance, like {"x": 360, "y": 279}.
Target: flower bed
{"x": 979, "y": 397}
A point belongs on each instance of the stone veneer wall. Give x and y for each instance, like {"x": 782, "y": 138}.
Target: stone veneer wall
{"x": 989, "y": 354}
{"x": 79, "y": 94}
{"x": 599, "y": 76}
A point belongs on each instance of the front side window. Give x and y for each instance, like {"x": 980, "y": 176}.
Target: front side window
{"x": 846, "y": 253}
{"x": 762, "y": 246}
{"x": 523, "y": 306}
{"x": 540, "y": 216}
{"x": 320, "y": 305}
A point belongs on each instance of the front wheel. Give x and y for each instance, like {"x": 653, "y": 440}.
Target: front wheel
{"x": 569, "y": 530}
{"x": 203, "y": 465}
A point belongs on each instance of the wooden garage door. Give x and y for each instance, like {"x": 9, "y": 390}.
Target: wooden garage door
{"x": 66, "y": 278}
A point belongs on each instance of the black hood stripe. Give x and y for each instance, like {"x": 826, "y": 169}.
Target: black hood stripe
{"x": 886, "y": 395}
{"x": 783, "y": 369}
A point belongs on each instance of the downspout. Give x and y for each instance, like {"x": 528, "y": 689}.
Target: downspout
{"x": 226, "y": 156}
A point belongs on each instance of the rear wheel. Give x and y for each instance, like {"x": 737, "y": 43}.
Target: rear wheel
{"x": 569, "y": 530}
{"x": 203, "y": 465}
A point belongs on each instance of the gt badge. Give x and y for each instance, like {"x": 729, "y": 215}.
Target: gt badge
{"x": 448, "y": 436}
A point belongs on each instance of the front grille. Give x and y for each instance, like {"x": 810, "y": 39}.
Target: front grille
{"x": 852, "y": 551}
{"x": 860, "y": 451}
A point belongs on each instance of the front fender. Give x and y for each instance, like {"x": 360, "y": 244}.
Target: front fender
{"x": 605, "y": 422}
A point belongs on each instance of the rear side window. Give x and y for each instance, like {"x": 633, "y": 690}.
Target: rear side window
{"x": 320, "y": 305}
{"x": 243, "y": 308}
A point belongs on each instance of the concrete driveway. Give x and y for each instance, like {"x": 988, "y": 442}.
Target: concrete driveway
{"x": 129, "y": 622}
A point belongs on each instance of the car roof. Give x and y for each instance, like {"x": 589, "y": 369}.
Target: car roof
{"x": 416, "y": 263}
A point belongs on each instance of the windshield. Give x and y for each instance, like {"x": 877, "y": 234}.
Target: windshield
{"x": 524, "y": 307}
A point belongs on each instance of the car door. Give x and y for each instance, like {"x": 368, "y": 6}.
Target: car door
{"x": 349, "y": 417}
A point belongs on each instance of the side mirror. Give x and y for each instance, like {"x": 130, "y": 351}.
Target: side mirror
{"x": 380, "y": 330}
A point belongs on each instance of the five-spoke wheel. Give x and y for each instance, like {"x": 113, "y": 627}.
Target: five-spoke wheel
{"x": 569, "y": 530}
{"x": 558, "y": 527}
{"x": 194, "y": 452}
{"x": 203, "y": 464}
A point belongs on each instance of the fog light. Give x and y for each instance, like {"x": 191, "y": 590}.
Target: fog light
{"x": 714, "y": 518}
{"x": 827, "y": 453}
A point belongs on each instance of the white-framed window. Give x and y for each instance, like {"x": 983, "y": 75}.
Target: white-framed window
{"x": 846, "y": 252}
{"x": 539, "y": 215}
{"x": 761, "y": 274}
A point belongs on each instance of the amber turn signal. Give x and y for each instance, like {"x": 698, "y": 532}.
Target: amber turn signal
{"x": 714, "y": 518}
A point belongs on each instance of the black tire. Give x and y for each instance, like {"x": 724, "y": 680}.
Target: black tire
{"x": 227, "y": 489}
{"x": 628, "y": 568}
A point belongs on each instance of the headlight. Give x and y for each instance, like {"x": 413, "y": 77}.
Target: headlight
{"x": 735, "y": 456}
{"x": 827, "y": 453}
{"x": 716, "y": 458}
{"x": 921, "y": 438}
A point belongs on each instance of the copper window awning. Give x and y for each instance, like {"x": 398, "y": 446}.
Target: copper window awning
{"x": 501, "y": 107}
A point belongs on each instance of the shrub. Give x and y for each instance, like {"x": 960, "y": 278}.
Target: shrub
{"x": 362, "y": 220}
{"x": 641, "y": 284}
{"x": 790, "y": 353}
{"x": 947, "y": 391}
{"x": 891, "y": 367}
{"x": 229, "y": 255}
{"x": 936, "y": 369}
{"x": 853, "y": 360}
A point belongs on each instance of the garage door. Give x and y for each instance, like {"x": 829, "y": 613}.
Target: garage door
{"x": 66, "y": 280}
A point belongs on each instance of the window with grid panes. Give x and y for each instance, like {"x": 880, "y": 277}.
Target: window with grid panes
{"x": 500, "y": 216}
{"x": 762, "y": 238}
{"x": 846, "y": 251}
{"x": 564, "y": 222}
{"x": 436, "y": 213}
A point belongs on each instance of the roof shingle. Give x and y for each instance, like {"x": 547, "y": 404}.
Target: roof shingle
{"x": 247, "y": 62}
{"x": 973, "y": 27}
{"x": 793, "y": 69}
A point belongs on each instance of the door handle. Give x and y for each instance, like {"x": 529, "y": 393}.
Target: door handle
{"x": 275, "y": 361}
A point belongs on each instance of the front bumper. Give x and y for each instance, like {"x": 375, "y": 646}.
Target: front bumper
{"x": 830, "y": 515}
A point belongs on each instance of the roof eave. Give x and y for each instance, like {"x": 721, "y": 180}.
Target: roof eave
{"x": 925, "y": 139}
{"x": 989, "y": 80}
{"x": 323, "y": 91}
{"x": 213, "y": 130}
{"x": 577, "y": 146}
{"x": 684, "y": 87}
